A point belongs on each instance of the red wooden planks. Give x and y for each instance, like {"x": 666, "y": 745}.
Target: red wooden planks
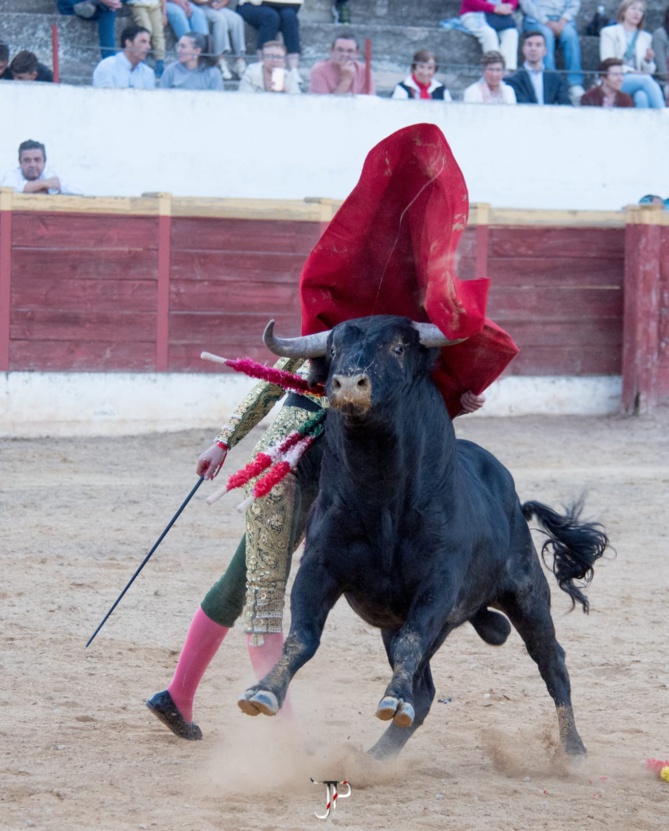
{"x": 83, "y": 326}
{"x": 251, "y": 296}
{"x": 546, "y": 243}
{"x": 229, "y": 266}
{"x": 554, "y": 303}
{"x": 48, "y": 294}
{"x": 213, "y": 328}
{"x": 562, "y": 271}
{"x": 193, "y": 234}
{"x": 81, "y": 231}
{"x": 80, "y": 355}
{"x": 86, "y": 263}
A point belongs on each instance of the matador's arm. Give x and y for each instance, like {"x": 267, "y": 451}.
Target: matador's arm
{"x": 255, "y": 406}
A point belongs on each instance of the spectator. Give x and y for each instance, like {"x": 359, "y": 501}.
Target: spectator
{"x": 104, "y": 11}
{"x": 183, "y": 16}
{"x": 556, "y": 19}
{"x": 343, "y": 74}
{"x": 127, "y": 68}
{"x": 32, "y": 175}
{"x": 421, "y": 83}
{"x": 607, "y": 93}
{"x": 493, "y": 25}
{"x": 152, "y": 16}
{"x": 491, "y": 89}
{"x": 652, "y": 199}
{"x": 270, "y": 17}
{"x": 660, "y": 45}
{"x": 341, "y": 11}
{"x": 26, "y": 67}
{"x": 227, "y": 28}
{"x": 270, "y": 74}
{"x": 5, "y": 71}
{"x": 533, "y": 84}
{"x": 627, "y": 40}
{"x": 192, "y": 69}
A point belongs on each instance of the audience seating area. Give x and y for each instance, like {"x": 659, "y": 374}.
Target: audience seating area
{"x": 396, "y": 28}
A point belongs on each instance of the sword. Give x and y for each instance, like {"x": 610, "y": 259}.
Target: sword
{"x": 146, "y": 559}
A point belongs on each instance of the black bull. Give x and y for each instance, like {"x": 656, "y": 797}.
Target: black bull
{"x": 420, "y": 532}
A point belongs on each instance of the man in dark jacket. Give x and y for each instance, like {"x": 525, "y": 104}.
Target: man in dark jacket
{"x": 532, "y": 83}
{"x": 26, "y": 67}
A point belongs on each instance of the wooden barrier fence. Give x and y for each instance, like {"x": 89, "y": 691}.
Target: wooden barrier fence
{"x": 96, "y": 284}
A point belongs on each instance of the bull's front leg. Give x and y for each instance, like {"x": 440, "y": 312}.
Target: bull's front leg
{"x": 409, "y": 650}
{"x": 314, "y": 594}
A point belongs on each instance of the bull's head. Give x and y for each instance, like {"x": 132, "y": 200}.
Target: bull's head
{"x": 367, "y": 360}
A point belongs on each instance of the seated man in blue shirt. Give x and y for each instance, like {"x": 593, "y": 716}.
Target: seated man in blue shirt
{"x": 127, "y": 68}
{"x": 532, "y": 83}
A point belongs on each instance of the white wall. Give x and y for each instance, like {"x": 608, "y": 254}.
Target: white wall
{"x": 126, "y": 142}
{"x": 34, "y": 404}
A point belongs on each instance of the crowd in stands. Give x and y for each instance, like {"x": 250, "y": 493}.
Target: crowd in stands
{"x": 633, "y": 71}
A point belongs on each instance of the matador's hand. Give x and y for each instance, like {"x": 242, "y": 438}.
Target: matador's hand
{"x": 211, "y": 461}
{"x": 470, "y": 402}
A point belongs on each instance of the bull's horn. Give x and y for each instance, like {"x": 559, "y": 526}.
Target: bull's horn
{"x": 308, "y": 346}
{"x": 431, "y": 335}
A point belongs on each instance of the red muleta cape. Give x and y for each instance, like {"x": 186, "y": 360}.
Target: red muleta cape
{"x": 390, "y": 249}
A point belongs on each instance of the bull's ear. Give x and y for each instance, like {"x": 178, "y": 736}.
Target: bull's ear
{"x": 431, "y": 359}
{"x": 319, "y": 370}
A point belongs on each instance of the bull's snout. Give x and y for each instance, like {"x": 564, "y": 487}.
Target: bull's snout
{"x": 351, "y": 391}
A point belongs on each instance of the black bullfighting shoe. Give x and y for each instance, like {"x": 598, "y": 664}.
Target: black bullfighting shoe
{"x": 163, "y": 707}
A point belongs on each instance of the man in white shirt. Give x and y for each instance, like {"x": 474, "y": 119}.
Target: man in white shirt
{"x": 127, "y": 68}
{"x": 32, "y": 174}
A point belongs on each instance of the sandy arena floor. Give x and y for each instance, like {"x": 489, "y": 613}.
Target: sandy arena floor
{"x": 81, "y": 751}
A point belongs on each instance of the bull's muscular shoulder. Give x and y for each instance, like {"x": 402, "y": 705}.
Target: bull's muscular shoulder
{"x": 479, "y": 462}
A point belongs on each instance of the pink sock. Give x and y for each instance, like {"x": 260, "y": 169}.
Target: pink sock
{"x": 263, "y": 659}
{"x": 202, "y": 642}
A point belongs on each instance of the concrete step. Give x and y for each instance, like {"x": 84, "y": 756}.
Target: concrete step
{"x": 392, "y": 45}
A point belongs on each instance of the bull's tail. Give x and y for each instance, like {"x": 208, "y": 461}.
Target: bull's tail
{"x": 575, "y": 546}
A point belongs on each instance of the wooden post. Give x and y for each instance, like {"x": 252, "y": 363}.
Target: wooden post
{"x": 5, "y": 274}
{"x": 163, "y": 277}
{"x": 55, "y": 54}
{"x": 368, "y": 66}
{"x": 482, "y": 239}
{"x": 641, "y": 330}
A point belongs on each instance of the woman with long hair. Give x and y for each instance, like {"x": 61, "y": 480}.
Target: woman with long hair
{"x": 193, "y": 68}
{"x": 628, "y": 41}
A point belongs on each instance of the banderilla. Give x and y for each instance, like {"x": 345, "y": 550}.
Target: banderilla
{"x": 146, "y": 559}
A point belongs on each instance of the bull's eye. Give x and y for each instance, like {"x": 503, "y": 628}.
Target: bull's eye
{"x": 332, "y": 351}
{"x": 398, "y": 350}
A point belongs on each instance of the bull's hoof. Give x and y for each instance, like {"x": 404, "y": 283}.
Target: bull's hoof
{"x": 401, "y": 712}
{"x": 253, "y": 703}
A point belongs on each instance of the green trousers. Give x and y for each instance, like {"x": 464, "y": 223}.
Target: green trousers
{"x": 255, "y": 581}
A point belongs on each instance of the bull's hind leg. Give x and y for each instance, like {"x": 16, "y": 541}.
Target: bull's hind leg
{"x": 530, "y": 614}
{"x": 399, "y": 732}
